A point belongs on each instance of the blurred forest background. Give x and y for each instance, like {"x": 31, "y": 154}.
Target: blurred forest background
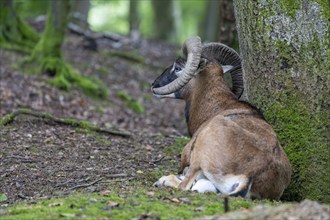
{"x": 170, "y": 20}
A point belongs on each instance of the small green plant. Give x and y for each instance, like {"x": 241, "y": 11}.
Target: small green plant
{"x": 131, "y": 102}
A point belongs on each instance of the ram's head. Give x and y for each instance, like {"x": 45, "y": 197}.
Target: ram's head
{"x": 195, "y": 57}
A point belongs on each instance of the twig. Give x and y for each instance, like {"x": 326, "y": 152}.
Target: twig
{"x": 92, "y": 35}
{"x": 25, "y": 159}
{"x": 117, "y": 175}
{"x": 116, "y": 180}
{"x": 86, "y": 185}
{"x": 63, "y": 121}
{"x": 160, "y": 159}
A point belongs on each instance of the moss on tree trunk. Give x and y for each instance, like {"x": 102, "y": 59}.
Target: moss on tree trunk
{"x": 285, "y": 48}
{"x": 15, "y": 34}
{"x": 47, "y": 53}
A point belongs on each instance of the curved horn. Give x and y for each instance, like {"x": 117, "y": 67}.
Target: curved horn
{"x": 192, "y": 48}
{"x": 225, "y": 55}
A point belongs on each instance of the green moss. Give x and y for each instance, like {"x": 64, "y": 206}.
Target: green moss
{"x": 177, "y": 147}
{"x": 131, "y": 103}
{"x": 289, "y": 7}
{"x": 15, "y": 34}
{"x": 304, "y": 138}
{"x": 133, "y": 56}
{"x": 164, "y": 204}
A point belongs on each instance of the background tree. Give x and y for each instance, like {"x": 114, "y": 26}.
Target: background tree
{"x": 14, "y": 32}
{"x": 227, "y": 31}
{"x": 164, "y": 24}
{"x": 134, "y": 19}
{"x": 48, "y": 54}
{"x": 80, "y": 10}
{"x": 208, "y": 30}
{"x": 285, "y": 48}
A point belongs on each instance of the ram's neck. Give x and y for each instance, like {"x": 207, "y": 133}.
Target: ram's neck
{"x": 210, "y": 96}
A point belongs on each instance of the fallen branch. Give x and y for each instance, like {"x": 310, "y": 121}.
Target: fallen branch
{"x": 93, "y": 35}
{"x": 63, "y": 121}
{"x": 86, "y": 185}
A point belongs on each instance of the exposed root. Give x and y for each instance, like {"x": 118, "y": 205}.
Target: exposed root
{"x": 7, "y": 119}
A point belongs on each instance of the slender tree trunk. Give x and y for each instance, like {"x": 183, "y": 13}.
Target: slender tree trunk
{"x": 48, "y": 54}
{"x": 209, "y": 28}
{"x": 164, "y": 24}
{"x": 14, "y": 32}
{"x": 227, "y": 30}
{"x": 285, "y": 49}
{"x": 80, "y": 10}
{"x": 134, "y": 19}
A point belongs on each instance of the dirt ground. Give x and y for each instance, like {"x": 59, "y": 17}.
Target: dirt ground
{"x": 41, "y": 159}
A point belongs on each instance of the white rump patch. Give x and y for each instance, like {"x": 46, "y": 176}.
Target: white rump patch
{"x": 226, "y": 68}
{"x": 203, "y": 186}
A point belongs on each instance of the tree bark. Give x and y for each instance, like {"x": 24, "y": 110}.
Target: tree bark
{"x": 80, "y": 10}
{"x": 47, "y": 54}
{"x": 227, "y": 30}
{"x": 134, "y": 19}
{"x": 285, "y": 51}
{"x": 14, "y": 32}
{"x": 164, "y": 24}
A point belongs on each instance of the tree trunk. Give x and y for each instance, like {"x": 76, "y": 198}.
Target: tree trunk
{"x": 227, "y": 30}
{"x": 80, "y": 9}
{"x": 285, "y": 51}
{"x": 209, "y": 29}
{"x": 14, "y": 32}
{"x": 48, "y": 53}
{"x": 164, "y": 24}
{"x": 134, "y": 19}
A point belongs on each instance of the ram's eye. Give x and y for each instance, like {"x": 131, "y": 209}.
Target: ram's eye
{"x": 177, "y": 69}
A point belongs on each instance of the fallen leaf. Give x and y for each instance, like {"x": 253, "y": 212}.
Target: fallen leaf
{"x": 151, "y": 194}
{"x": 105, "y": 193}
{"x": 175, "y": 200}
{"x": 139, "y": 171}
{"x": 149, "y": 148}
{"x": 199, "y": 209}
{"x": 113, "y": 204}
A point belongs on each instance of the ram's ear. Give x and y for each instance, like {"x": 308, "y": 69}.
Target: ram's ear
{"x": 227, "y": 68}
{"x": 202, "y": 64}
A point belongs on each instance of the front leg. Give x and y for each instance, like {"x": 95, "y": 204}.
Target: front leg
{"x": 168, "y": 181}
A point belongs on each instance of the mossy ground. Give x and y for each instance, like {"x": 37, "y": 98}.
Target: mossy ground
{"x": 137, "y": 202}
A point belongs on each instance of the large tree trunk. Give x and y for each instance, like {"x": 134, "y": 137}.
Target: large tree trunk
{"x": 47, "y": 54}
{"x": 285, "y": 48}
{"x": 227, "y": 30}
{"x": 14, "y": 32}
{"x": 164, "y": 24}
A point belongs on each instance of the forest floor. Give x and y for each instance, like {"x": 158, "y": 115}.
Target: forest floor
{"x": 41, "y": 159}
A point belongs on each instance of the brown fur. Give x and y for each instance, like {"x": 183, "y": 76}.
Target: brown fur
{"x": 229, "y": 138}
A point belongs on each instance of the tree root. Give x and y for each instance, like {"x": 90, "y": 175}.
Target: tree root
{"x": 7, "y": 119}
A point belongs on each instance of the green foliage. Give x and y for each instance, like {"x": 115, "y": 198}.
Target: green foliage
{"x": 31, "y": 8}
{"x": 130, "y": 102}
{"x": 164, "y": 204}
{"x": 3, "y": 197}
{"x": 15, "y": 34}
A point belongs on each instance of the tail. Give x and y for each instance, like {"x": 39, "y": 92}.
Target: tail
{"x": 241, "y": 189}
